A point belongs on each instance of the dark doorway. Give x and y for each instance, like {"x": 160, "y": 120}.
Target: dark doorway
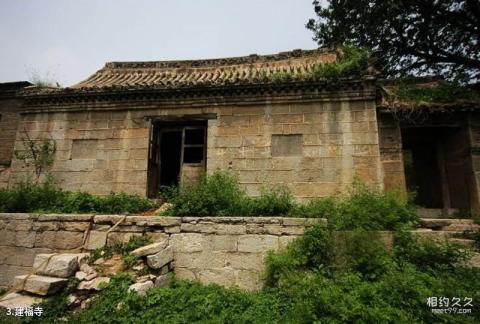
{"x": 436, "y": 166}
{"x": 177, "y": 153}
{"x": 170, "y": 155}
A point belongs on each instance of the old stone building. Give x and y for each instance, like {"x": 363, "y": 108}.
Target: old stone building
{"x": 136, "y": 126}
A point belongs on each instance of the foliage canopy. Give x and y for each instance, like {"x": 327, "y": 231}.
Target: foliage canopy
{"x": 409, "y": 37}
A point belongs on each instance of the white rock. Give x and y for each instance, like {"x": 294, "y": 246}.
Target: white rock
{"x": 40, "y": 285}
{"x": 60, "y": 265}
{"x": 18, "y": 300}
{"x": 160, "y": 259}
{"x": 141, "y": 287}
{"x": 149, "y": 249}
{"x": 86, "y": 268}
{"x": 146, "y": 278}
{"x": 93, "y": 284}
{"x": 138, "y": 267}
{"x": 80, "y": 275}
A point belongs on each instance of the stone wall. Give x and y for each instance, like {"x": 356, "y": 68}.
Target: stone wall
{"x": 474, "y": 139}
{"x": 225, "y": 250}
{"x": 106, "y": 150}
{"x": 8, "y": 129}
{"x": 390, "y": 138}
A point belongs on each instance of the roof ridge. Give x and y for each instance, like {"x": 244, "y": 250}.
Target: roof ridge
{"x": 225, "y": 61}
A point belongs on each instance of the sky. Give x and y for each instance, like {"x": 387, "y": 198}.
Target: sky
{"x": 68, "y": 40}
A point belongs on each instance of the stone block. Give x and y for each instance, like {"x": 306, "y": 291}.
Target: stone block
{"x": 248, "y": 279}
{"x": 223, "y": 276}
{"x": 184, "y": 274}
{"x": 25, "y": 238}
{"x": 8, "y": 273}
{"x": 94, "y": 284}
{"x": 200, "y": 260}
{"x": 19, "y": 225}
{"x": 274, "y": 229}
{"x": 96, "y": 240}
{"x": 160, "y": 259}
{"x": 141, "y": 287}
{"x": 187, "y": 242}
{"x": 283, "y": 241}
{"x": 45, "y": 226}
{"x": 245, "y": 261}
{"x": 40, "y": 285}
{"x": 61, "y": 240}
{"x": 198, "y": 228}
{"x": 14, "y": 300}
{"x": 163, "y": 280}
{"x": 119, "y": 237}
{"x": 257, "y": 243}
{"x": 231, "y": 229}
{"x": 223, "y": 243}
{"x": 150, "y": 249}
{"x": 74, "y": 226}
{"x": 60, "y": 265}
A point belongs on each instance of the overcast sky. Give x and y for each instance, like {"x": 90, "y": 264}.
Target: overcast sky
{"x": 67, "y": 41}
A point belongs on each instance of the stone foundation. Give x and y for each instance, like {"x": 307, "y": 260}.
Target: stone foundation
{"x": 224, "y": 250}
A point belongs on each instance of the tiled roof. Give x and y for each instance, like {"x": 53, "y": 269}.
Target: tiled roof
{"x": 177, "y": 74}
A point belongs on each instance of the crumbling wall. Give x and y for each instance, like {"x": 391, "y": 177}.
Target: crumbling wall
{"x": 224, "y": 250}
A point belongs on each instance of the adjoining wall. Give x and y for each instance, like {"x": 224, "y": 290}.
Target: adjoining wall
{"x": 390, "y": 138}
{"x": 104, "y": 151}
{"x": 8, "y": 129}
{"x": 474, "y": 139}
{"x": 225, "y": 250}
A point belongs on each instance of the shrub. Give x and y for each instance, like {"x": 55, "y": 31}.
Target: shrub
{"x": 274, "y": 201}
{"x": 428, "y": 253}
{"x": 29, "y": 197}
{"x": 181, "y": 303}
{"x": 215, "y": 195}
{"x": 363, "y": 207}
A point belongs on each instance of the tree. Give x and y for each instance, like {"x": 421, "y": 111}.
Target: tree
{"x": 39, "y": 153}
{"x": 407, "y": 37}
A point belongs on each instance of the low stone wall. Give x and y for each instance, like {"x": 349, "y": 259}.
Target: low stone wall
{"x": 226, "y": 250}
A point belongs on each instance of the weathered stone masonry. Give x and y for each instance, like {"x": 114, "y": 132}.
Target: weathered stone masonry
{"x": 308, "y": 135}
{"x": 225, "y": 250}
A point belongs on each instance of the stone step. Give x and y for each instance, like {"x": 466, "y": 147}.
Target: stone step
{"x": 13, "y": 300}
{"x": 58, "y": 265}
{"x": 435, "y": 212}
{"x": 439, "y": 223}
{"x": 40, "y": 285}
{"x": 461, "y": 227}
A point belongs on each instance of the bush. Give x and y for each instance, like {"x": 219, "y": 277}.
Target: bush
{"x": 362, "y": 207}
{"x": 215, "y": 195}
{"x": 329, "y": 276}
{"x": 28, "y": 197}
{"x": 220, "y": 194}
{"x": 181, "y": 303}
{"x": 427, "y": 253}
{"x": 276, "y": 201}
